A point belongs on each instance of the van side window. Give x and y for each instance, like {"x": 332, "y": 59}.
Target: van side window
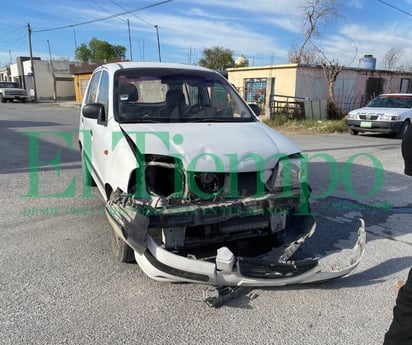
{"x": 103, "y": 93}
{"x": 92, "y": 91}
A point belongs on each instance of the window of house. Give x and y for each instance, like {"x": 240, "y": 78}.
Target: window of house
{"x": 406, "y": 85}
{"x": 83, "y": 86}
{"x": 255, "y": 90}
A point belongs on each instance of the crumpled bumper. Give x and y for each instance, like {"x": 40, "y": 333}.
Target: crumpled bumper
{"x": 272, "y": 269}
{"x": 228, "y": 270}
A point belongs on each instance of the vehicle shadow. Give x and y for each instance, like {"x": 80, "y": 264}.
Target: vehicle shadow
{"x": 25, "y": 146}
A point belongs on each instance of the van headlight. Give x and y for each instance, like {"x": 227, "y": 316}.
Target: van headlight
{"x": 289, "y": 174}
{"x": 352, "y": 116}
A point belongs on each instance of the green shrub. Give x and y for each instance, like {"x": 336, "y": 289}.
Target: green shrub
{"x": 282, "y": 123}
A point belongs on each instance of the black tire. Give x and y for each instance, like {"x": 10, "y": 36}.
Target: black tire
{"x": 403, "y": 129}
{"x": 3, "y": 100}
{"x": 87, "y": 176}
{"x": 23, "y": 100}
{"x": 121, "y": 251}
{"x": 353, "y": 132}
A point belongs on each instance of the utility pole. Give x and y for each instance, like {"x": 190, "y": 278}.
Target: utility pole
{"x": 158, "y": 42}
{"x": 53, "y": 75}
{"x": 74, "y": 35}
{"x": 130, "y": 40}
{"x": 31, "y": 64}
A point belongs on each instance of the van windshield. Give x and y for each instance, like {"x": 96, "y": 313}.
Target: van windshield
{"x": 177, "y": 95}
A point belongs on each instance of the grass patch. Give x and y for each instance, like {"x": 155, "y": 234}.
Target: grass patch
{"x": 307, "y": 126}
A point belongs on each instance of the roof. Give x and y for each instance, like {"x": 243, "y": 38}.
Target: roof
{"x": 131, "y": 64}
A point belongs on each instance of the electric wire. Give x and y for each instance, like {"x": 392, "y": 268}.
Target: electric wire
{"x": 395, "y": 8}
{"x": 104, "y": 18}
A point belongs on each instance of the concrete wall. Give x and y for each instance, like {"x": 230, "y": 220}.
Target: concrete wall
{"x": 46, "y": 75}
{"x": 284, "y": 75}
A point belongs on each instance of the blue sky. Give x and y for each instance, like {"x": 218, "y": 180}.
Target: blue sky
{"x": 262, "y": 30}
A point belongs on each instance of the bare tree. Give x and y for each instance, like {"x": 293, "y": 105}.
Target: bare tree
{"x": 331, "y": 69}
{"x": 314, "y": 13}
{"x": 309, "y": 56}
{"x": 392, "y": 58}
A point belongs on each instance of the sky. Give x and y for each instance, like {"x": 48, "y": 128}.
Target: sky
{"x": 261, "y": 30}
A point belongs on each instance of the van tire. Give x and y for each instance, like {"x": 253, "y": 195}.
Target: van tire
{"x": 403, "y": 129}
{"x": 120, "y": 249}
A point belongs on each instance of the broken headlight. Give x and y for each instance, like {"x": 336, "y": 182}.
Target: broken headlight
{"x": 289, "y": 174}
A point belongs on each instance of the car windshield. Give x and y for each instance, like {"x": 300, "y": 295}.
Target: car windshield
{"x": 10, "y": 85}
{"x": 176, "y": 95}
{"x": 391, "y": 101}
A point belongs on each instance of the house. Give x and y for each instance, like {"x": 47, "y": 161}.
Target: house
{"x": 52, "y": 80}
{"x": 82, "y": 74}
{"x": 5, "y": 74}
{"x": 305, "y": 87}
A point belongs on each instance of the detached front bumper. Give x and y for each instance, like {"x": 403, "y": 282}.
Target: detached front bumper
{"x": 273, "y": 268}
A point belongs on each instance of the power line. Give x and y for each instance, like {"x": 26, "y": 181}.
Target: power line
{"x": 156, "y": 27}
{"x": 140, "y": 18}
{"x": 105, "y": 18}
{"x": 104, "y": 9}
{"x": 16, "y": 40}
{"x": 396, "y": 8}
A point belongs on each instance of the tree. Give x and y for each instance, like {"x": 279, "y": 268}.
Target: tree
{"x": 392, "y": 57}
{"x": 314, "y": 12}
{"x": 99, "y": 50}
{"x": 331, "y": 69}
{"x": 217, "y": 58}
{"x": 83, "y": 53}
{"x": 308, "y": 56}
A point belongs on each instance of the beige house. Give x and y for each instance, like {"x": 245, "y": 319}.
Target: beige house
{"x": 304, "y": 88}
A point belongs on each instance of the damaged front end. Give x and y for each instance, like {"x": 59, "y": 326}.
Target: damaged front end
{"x": 222, "y": 229}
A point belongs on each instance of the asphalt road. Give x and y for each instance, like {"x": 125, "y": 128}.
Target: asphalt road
{"x": 60, "y": 285}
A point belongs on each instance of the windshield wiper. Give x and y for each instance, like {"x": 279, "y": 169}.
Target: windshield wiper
{"x": 141, "y": 121}
{"x": 213, "y": 120}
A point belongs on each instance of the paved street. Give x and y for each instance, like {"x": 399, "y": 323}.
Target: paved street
{"x": 60, "y": 285}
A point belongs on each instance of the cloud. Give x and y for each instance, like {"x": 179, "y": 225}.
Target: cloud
{"x": 354, "y": 41}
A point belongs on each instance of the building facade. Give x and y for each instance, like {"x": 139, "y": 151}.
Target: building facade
{"x": 51, "y": 80}
{"x": 278, "y": 86}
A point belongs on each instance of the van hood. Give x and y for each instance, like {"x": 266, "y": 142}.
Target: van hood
{"x": 211, "y": 147}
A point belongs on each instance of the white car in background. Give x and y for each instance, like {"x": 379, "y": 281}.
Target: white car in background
{"x": 197, "y": 188}
{"x": 388, "y": 113}
{"x": 10, "y": 91}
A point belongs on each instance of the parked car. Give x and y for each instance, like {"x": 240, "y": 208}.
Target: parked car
{"x": 197, "y": 188}
{"x": 387, "y": 113}
{"x": 10, "y": 91}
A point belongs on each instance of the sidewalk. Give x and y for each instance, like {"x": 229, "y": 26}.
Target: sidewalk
{"x": 71, "y": 103}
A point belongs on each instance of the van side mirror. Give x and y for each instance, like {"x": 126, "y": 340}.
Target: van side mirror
{"x": 95, "y": 111}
